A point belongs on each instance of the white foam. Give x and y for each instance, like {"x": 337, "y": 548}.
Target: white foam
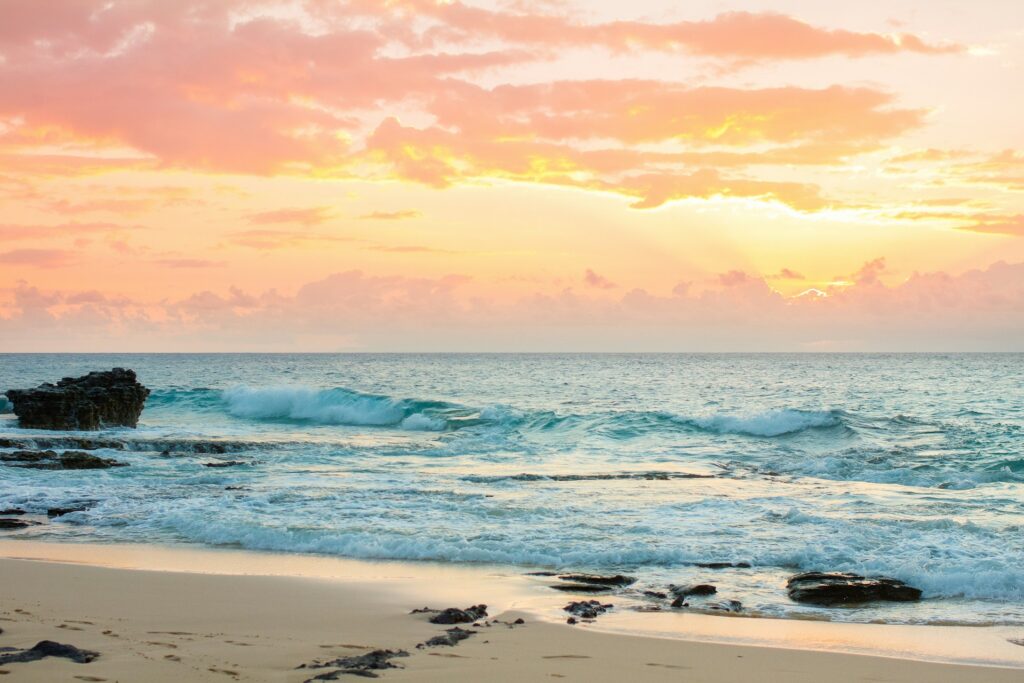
{"x": 768, "y": 423}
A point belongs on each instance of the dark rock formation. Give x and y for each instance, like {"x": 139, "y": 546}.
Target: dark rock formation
{"x": 821, "y": 588}
{"x": 60, "y": 512}
{"x": 581, "y": 588}
{"x": 723, "y": 565}
{"x": 357, "y": 665}
{"x": 588, "y": 609}
{"x": 681, "y": 593}
{"x": 725, "y": 606}
{"x": 28, "y": 456}
{"x": 100, "y": 399}
{"x": 225, "y": 463}
{"x": 7, "y": 523}
{"x": 453, "y": 615}
{"x": 695, "y": 589}
{"x": 617, "y": 580}
{"x": 51, "y": 460}
{"x": 656, "y": 594}
{"x": 12, "y": 511}
{"x": 449, "y": 638}
{"x": 47, "y": 648}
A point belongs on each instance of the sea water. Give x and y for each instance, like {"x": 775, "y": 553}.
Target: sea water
{"x": 904, "y": 465}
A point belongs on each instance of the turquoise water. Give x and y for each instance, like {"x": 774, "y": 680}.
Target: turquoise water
{"x": 906, "y": 465}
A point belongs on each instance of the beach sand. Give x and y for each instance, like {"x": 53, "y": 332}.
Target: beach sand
{"x": 157, "y": 614}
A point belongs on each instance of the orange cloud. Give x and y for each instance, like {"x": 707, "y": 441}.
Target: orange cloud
{"x": 279, "y": 239}
{"x": 72, "y": 229}
{"x": 188, "y": 263}
{"x": 37, "y": 258}
{"x": 995, "y": 224}
{"x": 390, "y": 215}
{"x": 308, "y": 216}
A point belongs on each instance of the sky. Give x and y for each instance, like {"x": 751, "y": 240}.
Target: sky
{"x": 513, "y": 175}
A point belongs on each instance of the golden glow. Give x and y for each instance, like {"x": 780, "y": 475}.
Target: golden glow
{"x": 530, "y": 164}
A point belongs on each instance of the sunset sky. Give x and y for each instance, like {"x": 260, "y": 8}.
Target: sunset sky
{"x": 323, "y": 175}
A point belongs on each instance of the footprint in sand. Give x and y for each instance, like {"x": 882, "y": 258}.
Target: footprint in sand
{"x": 154, "y": 642}
{"x": 229, "y": 672}
{"x": 77, "y": 621}
{"x": 445, "y": 654}
{"x": 69, "y": 627}
{"x": 351, "y": 647}
{"x": 90, "y": 678}
{"x": 667, "y": 666}
{"x": 565, "y": 657}
{"x": 111, "y": 634}
{"x": 172, "y": 658}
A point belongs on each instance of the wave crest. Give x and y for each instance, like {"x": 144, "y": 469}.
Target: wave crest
{"x": 329, "y": 407}
{"x": 770, "y": 422}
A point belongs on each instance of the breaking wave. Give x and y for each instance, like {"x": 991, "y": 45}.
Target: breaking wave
{"x": 333, "y": 407}
{"x": 342, "y": 406}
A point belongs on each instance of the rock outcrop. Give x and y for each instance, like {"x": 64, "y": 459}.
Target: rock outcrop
{"x": 599, "y": 580}
{"x": 112, "y": 398}
{"x": 51, "y": 460}
{"x": 821, "y": 588}
{"x": 454, "y": 615}
{"x": 47, "y": 648}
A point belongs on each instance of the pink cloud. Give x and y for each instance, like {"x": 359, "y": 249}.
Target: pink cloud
{"x": 38, "y": 258}
{"x": 597, "y": 281}
{"x": 731, "y": 35}
{"x": 978, "y": 309}
{"x": 217, "y": 87}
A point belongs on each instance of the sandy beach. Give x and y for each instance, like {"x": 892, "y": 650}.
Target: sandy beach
{"x": 161, "y": 614}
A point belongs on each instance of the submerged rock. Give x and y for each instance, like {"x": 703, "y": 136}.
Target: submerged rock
{"x": 454, "y": 615}
{"x": 734, "y": 606}
{"x": 28, "y": 456}
{"x": 48, "y": 648}
{"x": 225, "y": 463}
{"x": 822, "y": 588}
{"x": 581, "y": 588}
{"x": 597, "y": 580}
{"x": 7, "y": 523}
{"x": 60, "y": 512}
{"x": 112, "y": 398}
{"x": 51, "y": 460}
{"x": 694, "y": 589}
{"x": 723, "y": 565}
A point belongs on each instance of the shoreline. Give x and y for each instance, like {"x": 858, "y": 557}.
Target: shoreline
{"x": 314, "y": 596}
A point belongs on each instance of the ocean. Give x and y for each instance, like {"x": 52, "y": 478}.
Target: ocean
{"x": 905, "y": 465}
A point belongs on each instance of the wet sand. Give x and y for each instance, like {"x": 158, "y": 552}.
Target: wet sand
{"x": 164, "y": 614}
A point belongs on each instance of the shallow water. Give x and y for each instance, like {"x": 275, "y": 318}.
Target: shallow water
{"x": 906, "y": 465}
